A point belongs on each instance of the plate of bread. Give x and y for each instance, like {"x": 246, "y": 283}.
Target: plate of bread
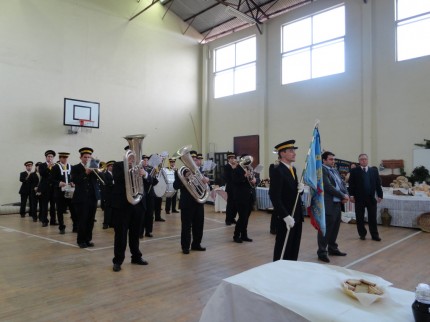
{"x": 365, "y": 291}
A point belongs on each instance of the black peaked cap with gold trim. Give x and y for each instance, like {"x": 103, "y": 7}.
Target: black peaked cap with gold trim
{"x": 286, "y": 145}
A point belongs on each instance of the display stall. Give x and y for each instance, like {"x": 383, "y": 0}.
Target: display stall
{"x": 301, "y": 291}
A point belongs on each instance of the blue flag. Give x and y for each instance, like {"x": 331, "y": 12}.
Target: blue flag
{"x": 313, "y": 177}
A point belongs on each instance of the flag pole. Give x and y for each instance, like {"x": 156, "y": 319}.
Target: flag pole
{"x": 301, "y": 181}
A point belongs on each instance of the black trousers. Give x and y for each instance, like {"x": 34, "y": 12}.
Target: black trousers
{"x": 157, "y": 207}
{"x": 192, "y": 220}
{"x": 148, "y": 218}
{"x": 244, "y": 208}
{"x": 62, "y": 204}
{"x": 360, "y": 206}
{"x": 332, "y": 223}
{"x": 171, "y": 203}
{"x": 126, "y": 223}
{"x": 34, "y": 201}
{"x": 86, "y": 213}
{"x": 24, "y": 198}
{"x": 231, "y": 208}
{"x": 107, "y": 215}
{"x": 293, "y": 243}
{"x": 45, "y": 200}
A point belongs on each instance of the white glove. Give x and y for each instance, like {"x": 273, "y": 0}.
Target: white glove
{"x": 300, "y": 187}
{"x": 289, "y": 221}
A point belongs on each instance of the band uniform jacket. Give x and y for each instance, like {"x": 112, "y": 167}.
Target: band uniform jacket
{"x": 57, "y": 177}
{"x": 149, "y": 182}
{"x": 33, "y": 181}
{"x": 108, "y": 187}
{"x": 86, "y": 185}
{"x": 283, "y": 192}
{"x": 45, "y": 178}
{"x": 228, "y": 173}
{"x": 187, "y": 200}
{"x": 119, "y": 195}
{"x": 356, "y": 184}
{"x": 242, "y": 190}
{"x": 25, "y": 185}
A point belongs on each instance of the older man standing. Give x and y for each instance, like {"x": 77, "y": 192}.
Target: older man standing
{"x": 364, "y": 184}
{"x": 335, "y": 193}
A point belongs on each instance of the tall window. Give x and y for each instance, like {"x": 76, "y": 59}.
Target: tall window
{"x": 235, "y": 68}
{"x": 314, "y": 46}
{"x": 413, "y": 28}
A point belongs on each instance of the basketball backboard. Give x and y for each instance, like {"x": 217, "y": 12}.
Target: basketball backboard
{"x": 76, "y": 110}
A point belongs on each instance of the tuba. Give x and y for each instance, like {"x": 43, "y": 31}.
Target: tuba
{"x": 132, "y": 164}
{"x": 190, "y": 175}
{"x": 245, "y": 163}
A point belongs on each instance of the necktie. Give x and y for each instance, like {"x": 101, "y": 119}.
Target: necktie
{"x": 292, "y": 172}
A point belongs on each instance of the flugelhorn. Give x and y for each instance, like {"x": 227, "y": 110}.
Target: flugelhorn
{"x": 190, "y": 175}
{"x": 245, "y": 163}
{"x": 132, "y": 165}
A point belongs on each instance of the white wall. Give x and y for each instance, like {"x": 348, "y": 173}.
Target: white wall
{"x": 145, "y": 73}
{"x": 378, "y": 106}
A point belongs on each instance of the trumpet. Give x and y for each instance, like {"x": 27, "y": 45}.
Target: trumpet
{"x": 245, "y": 163}
{"x": 190, "y": 175}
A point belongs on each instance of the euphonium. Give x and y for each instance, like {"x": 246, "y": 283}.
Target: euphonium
{"x": 245, "y": 162}
{"x": 132, "y": 165}
{"x": 194, "y": 180}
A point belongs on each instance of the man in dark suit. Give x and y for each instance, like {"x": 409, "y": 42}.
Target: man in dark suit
{"x": 364, "y": 184}
{"x": 24, "y": 191}
{"x": 335, "y": 193}
{"x": 61, "y": 182}
{"x": 126, "y": 217}
{"x": 284, "y": 191}
{"x": 231, "y": 209}
{"x": 192, "y": 213}
{"x": 46, "y": 191}
{"x": 148, "y": 183}
{"x": 243, "y": 191}
{"x": 85, "y": 197}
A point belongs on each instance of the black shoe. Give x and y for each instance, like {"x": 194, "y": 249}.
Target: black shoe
{"x": 175, "y": 212}
{"x": 324, "y": 259}
{"x": 22, "y": 216}
{"x": 45, "y": 224}
{"x": 160, "y": 219}
{"x": 139, "y": 261}
{"x": 228, "y": 223}
{"x": 377, "y": 238}
{"x": 336, "y": 252}
{"x": 90, "y": 244}
{"x": 273, "y": 232}
{"x": 83, "y": 245}
{"x": 199, "y": 248}
{"x": 167, "y": 212}
{"x": 141, "y": 236}
{"x": 247, "y": 239}
{"x": 237, "y": 240}
{"x": 148, "y": 235}
{"x": 234, "y": 221}
{"x": 53, "y": 223}
{"x": 362, "y": 237}
{"x": 116, "y": 267}
{"x": 105, "y": 226}
{"x": 185, "y": 251}
{"x": 74, "y": 230}
{"x": 62, "y": 231}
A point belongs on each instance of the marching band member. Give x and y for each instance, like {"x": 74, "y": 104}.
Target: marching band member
{"x": 62, "y": 190}
{"x": 34, "y": 180}
{"x": 231, "y": 209}
{"x": 171, "y": 201}
{"x": 148, "y": 183}
{"x": 126, "y": 218}
{"x": 108, "y": 187}
{"x": 192, "y": 213}
{"x": 46, "y": 191}
{"x": 85, "y": 197}
{"x": 244, "y": 197}
{"x": 24, "y": 191}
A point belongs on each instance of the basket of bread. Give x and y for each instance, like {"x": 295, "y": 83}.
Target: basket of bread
{"x": 366, "y": 292}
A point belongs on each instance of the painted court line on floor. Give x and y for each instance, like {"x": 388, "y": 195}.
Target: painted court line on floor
{"x": 381, "y": 250}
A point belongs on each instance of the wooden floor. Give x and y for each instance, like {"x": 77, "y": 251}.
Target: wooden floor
{"x": 44, "y": 276}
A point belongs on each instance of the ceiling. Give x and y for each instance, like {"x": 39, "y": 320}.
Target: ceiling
{"x": 217, "y": 18}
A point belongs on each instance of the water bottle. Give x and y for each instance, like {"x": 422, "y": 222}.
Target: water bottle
{"x": 421, "y": 306}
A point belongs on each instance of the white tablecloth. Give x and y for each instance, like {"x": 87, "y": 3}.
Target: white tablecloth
{"x": 404, "y": 209}
{"x": 219, "y": 197}
{"x": 301, "y": 291}
{"x": 263, "y": 200}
